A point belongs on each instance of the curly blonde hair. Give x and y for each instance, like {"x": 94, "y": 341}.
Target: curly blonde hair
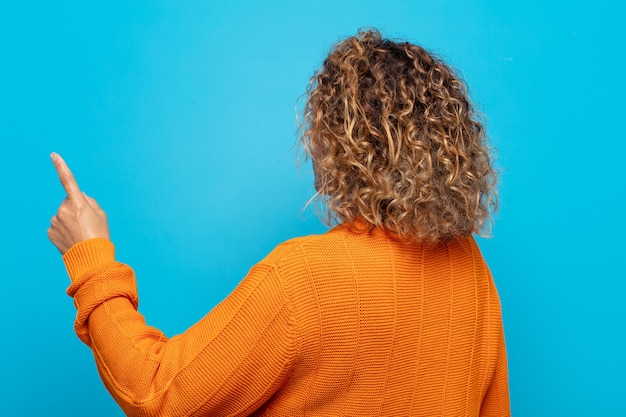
{"x": 395, "y": 142}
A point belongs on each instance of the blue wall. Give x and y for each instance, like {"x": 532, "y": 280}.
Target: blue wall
{"x": 179, "y": 118}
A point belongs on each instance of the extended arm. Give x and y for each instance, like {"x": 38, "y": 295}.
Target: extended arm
{"x": 229, "y": 363}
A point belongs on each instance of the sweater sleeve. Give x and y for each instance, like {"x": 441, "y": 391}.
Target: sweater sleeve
{"x": 229, "y": 363}
{"x": 496, "y": 400}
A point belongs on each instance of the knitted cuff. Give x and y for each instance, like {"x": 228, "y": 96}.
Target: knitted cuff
{"x": 96, "y": 278}
{"x": 86, "y": 255}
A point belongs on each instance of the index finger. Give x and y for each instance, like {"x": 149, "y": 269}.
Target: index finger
{"x": 67, "y": 178}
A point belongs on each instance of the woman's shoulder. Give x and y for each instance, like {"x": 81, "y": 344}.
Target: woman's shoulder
{"x": 299, "y": 246}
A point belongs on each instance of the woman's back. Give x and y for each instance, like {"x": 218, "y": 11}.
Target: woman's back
{"x": 389, "y": 328}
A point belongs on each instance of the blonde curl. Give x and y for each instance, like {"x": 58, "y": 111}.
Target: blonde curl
{"x": 396, "y": 143}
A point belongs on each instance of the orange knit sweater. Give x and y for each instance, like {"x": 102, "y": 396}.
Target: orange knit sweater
{"x": 344, "y": 323}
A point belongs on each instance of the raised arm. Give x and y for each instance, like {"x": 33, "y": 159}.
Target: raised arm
{"x": 229, "y": 363}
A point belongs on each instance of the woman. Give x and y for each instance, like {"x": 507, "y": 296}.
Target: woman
{"x": 392, "y": 312}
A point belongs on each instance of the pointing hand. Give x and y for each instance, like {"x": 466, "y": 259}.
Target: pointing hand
{"x": 79, "y": 217}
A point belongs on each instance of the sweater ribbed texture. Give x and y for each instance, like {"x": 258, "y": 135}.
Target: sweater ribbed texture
{"x": 340, "y": 324}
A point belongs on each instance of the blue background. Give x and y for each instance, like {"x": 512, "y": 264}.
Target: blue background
{"x": 179, "y": 117}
